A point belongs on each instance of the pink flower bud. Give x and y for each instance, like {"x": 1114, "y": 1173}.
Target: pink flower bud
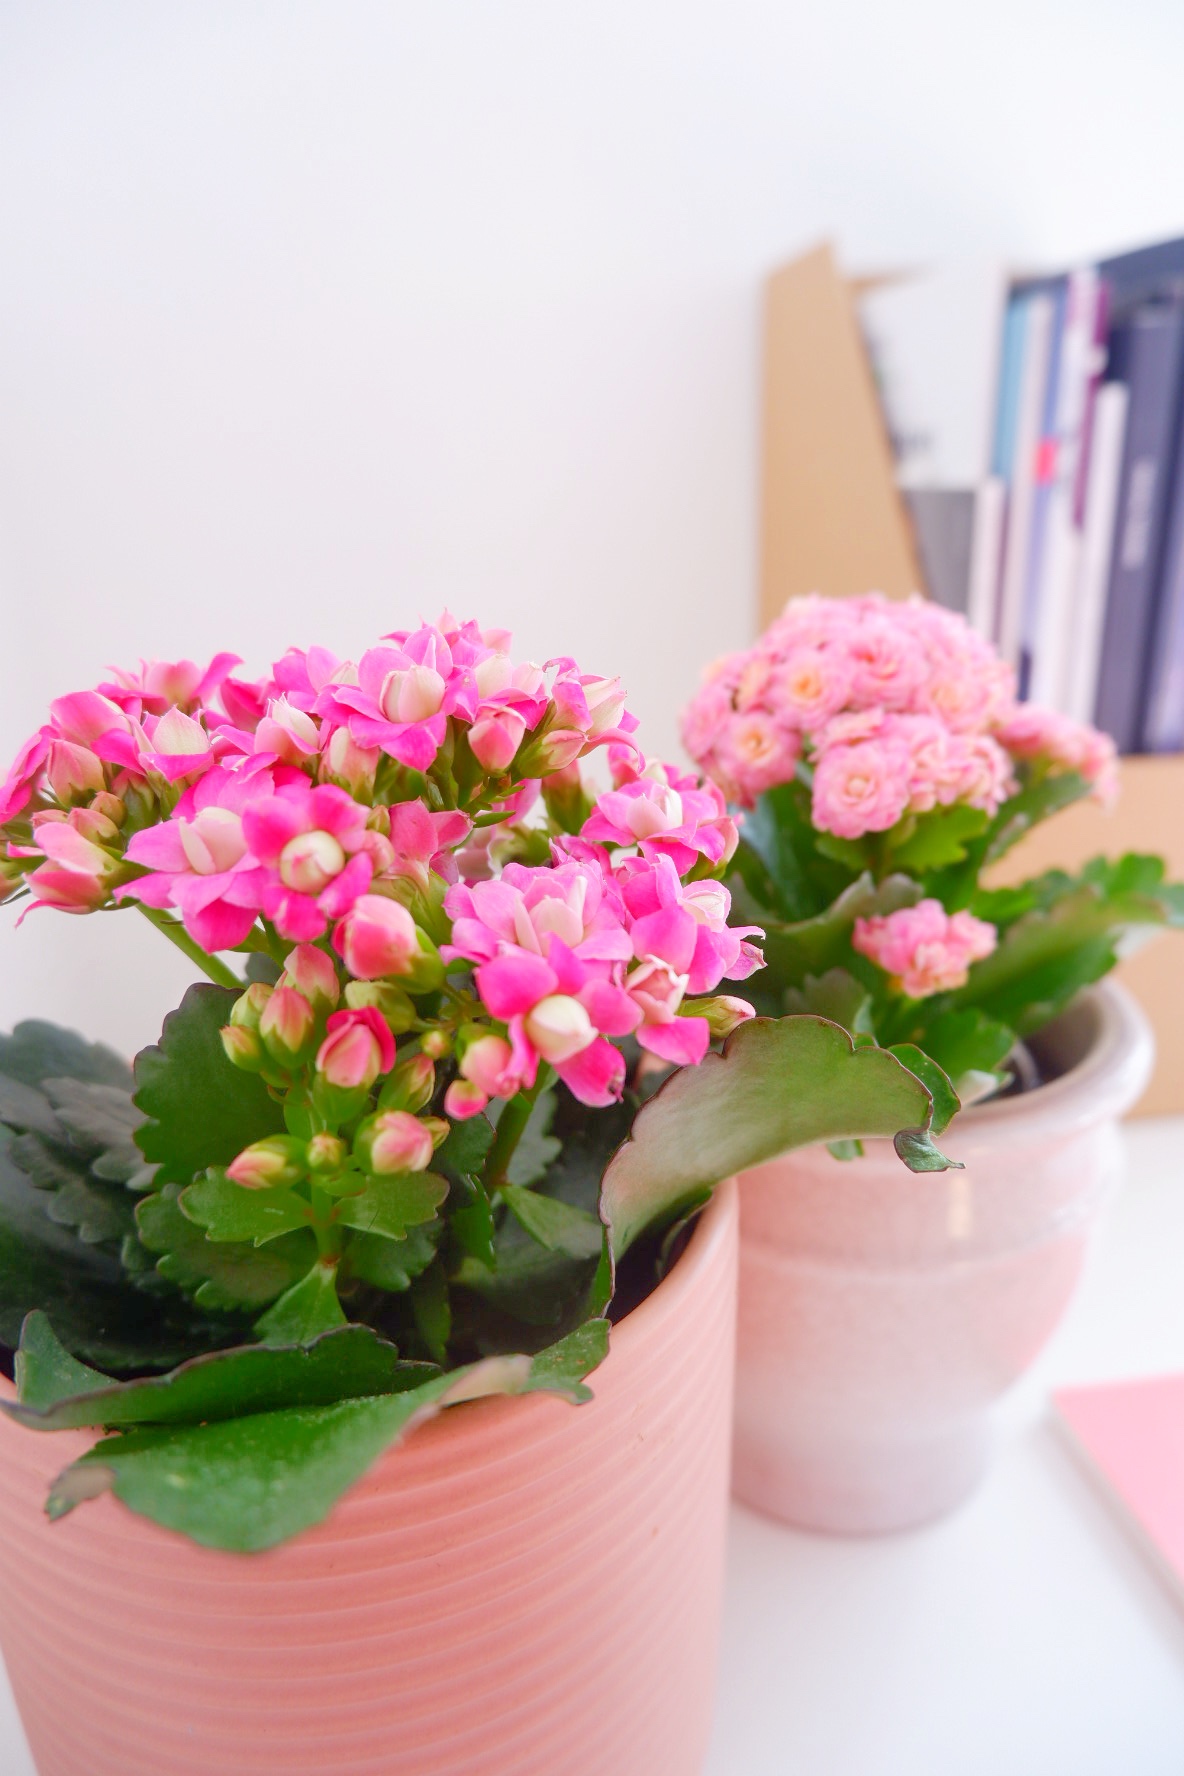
{"x": 268, "y": 1164}
{"x": 310, "y": 861}
{"x": 377, "y": 937}
{"x": 248, "y": 1008}
{"x": 289, "y": 732}
{"x": 412, "y": 696}
{"x": 326, "y": 1153}
{"x": 464, "y": 1099}
{"x": 606, "y": 703}
{"x": 73, "y": 771}
{"x": 495, "y": 737}
{"x": 357, "y": 1048}
{"x": 350, "y": 766}
{"x": 552, "y": 752}
{"x": 559, "y": 1027}
{"x": 312, "y": 973}
{"x": 410, "y": 1086}
{"x": 394, "y": 1141}
{"x": 243, "y": 1048}
{"x": 111, "y": 806}
{"x": 288, "y": 1027}
{"x": 488, "y": 1064}
{"x": 437, "y": 1044}
{"x": 723, "y": 1013}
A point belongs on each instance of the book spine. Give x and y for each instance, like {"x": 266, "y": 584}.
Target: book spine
{"x": 1163, "y": 729}
{"x": 1150, "y": 347}
{"x": 986, "y": 554}
{"x": 1107, "y": 439}
{"x": 1021, "y": 494}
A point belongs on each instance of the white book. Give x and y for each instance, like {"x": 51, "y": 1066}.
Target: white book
{"x": 1057, "y": 569}
{"x": 986, "y": 555}
{"x": 934, "y": 341}
{"x": 1017, "y": 548}
{"x": 1088, "y": 605}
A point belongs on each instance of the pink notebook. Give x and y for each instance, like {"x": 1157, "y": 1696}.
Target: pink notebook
{"x": 1130, "y": 1435}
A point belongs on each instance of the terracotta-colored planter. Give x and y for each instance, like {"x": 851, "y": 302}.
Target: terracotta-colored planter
{"x": 882, "y": 1314}
{"x": 525, "y": 1589}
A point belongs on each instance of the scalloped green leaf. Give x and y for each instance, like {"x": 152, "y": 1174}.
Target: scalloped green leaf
{"x": 220, "y": 1278}
{"x": 392, "y": 1264}
{"x": 556, "y": 1225}
{"x": 200, "y": 1110}
{"x": 37, "y": 1050}
{"x": 308, "y": 1309}
{"x": 247, "y": 1484}
{"x": 779, "y": 1084}
{"x": 353, "y": 1362}
{"x": 388, "y": 1207}
{"x": 227, "y": 1212}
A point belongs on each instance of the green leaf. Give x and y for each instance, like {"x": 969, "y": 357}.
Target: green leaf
{"x": 392, "y": 1264}
{"x": 97, "y": 1117}
{"x": 100, "y": 1214}
{"x": 352, "y": 1362}
{"x": 561, "y": 1368}
{"x": 228, "y": 1212}
{"x": 98, "y": 1314}
{"x": 779, "y": 1084}
{"x": 432, "y": 1310}
{"x": 1034, "y": 803}
{"x": 537, "y": 1149}
{"x": 246, "y": 1484}
{"x": 462, "y": 1153}
{"x": 853, "y": 854}
{"x": 309, "y": 1308}
{"x": 939, "y": 838}
{"x": 473, "y": 1226}
{"x": 556, "y": 1225}
{"x": 389, "y": 1206}
{"x": 201, "y": 1110}
{"x": 775, "y": 851}
{"x": 936, "y": 1083}
{"x": 966, "y": 1041}
{"x": 45, "y": 1372}
{"x": 220, "y": 1278}
{"x": 37, "y": 1051}
{"x": 836, "y": 995}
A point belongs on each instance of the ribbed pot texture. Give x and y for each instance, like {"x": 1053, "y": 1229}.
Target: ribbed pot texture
{"x": 526, "y": 1588}
{"x": 883, "y": 1313}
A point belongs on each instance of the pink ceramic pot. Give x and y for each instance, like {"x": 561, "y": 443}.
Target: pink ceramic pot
{"x": 525, "y": 1589}
{"x": 883, "y": 1313}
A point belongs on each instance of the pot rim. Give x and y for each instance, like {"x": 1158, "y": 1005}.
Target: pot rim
{"x": 1107, "y": 1081}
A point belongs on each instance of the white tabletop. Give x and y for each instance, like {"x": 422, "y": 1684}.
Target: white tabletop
{"x": 1025, "y": 1636}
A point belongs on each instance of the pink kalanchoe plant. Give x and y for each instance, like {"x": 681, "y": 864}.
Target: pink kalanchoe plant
{"x": 465, "y": 1078}
{"x": 880, "y": 762}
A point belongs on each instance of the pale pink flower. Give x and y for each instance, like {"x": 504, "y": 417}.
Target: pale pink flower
{"x": 377, "y": 939}
{"x": 358, "y": 1047}
{"x": 754, "y": 752}
{"x": 394, "y": 1141}
{"x": 925, "y": 949}
{"x": 861, "y": 788}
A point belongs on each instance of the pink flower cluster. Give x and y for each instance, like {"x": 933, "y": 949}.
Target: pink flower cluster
{"x": 571, "y": 955}
{"x": 261, "y": 783}
{"x": 898, "y": 707}
{"x": 925, "y": 949}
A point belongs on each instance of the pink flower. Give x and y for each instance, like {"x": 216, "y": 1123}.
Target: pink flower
{"x": 77, "y": 876}
{"x": 755, "y": 752}
{"x": 495, "y": 736}
{"x": 814, "y": 684}
{"x": 357, "y": 1048}
{"x": 488, "y": 1064}
{"x": 159, "y": 685}
{"x": 683, "y": 823}
{"x": 925, "y": 949}
{"x": 861, "y": 788}
{"x": 377, "y": 939}
{"x": 312, "y": 973}
{"x": 312, "y": 844}
{"x": 17, "y": 788}
{"x": 1029, "y": 732}
{"x": 422, "y": 842}
{"x": 200, "y": 862}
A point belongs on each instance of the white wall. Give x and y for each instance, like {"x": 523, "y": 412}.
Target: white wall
{"x": 314, "y": 316}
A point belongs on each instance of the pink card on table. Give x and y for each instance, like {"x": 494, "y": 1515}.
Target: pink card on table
{"x": 1131, "y": 1436}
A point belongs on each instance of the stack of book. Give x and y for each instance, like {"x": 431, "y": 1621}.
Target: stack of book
{"x": 1038, "y": 430}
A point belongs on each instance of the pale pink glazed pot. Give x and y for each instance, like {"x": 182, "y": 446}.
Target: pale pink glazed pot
{"x": 526, "y": 1588}
{"x": 882, "y": 1313}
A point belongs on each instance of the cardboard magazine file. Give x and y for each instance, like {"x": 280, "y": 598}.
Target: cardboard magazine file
{"x": 833, "y": 521}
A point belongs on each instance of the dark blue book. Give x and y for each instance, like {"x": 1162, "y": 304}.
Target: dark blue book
{"x": 1147, "y": 353}
{"x": 1163, "y": 728}
{"x": 1148, "y": 271}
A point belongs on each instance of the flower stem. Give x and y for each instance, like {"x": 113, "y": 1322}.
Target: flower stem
{"x": 176, "y": 933}
{"x": 511, "y": 1125}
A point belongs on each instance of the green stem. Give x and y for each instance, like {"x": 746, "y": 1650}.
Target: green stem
{"x": 511, "y": 1125}
{"x": 177, "y": 934}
